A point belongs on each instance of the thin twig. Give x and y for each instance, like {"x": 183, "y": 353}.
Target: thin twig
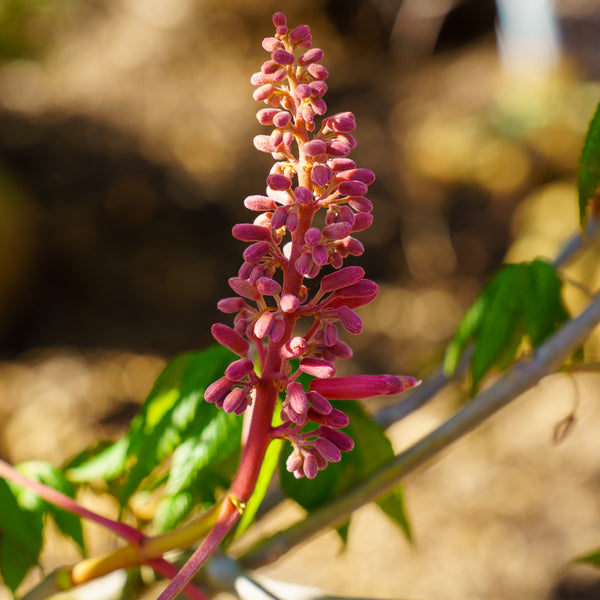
{"x": 520, "y": 378}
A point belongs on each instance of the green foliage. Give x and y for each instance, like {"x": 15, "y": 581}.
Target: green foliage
{"x": 372, "y": 451}
{"x": 22, "y": 516}
{"x": 520, "y": 302}
{"x": 588, "y": 173}
{"x": 592, "y": 558}
{"x": 177, "y": 440}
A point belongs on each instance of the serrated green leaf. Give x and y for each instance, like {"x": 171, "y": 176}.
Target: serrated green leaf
{"x": 173, "y": 414}
{"x": 372, "y": 450}
{"x": 588, "y": 173}
{"x": 522, "y": 301}
{"x": 393, "y": 506}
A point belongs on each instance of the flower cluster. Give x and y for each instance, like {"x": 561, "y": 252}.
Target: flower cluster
{"x": 288, "y": 246}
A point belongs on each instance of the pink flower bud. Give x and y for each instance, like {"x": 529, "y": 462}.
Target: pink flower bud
{"x": 294, "y": 461}
{"x": 255, "y": 252}
{"x": 353, "y": 246}
{"x": 265, "y": 115}
{"x": 279, "y": 19}
{"x": 362, "y": 221}
{"x": 259, "y": 203}
{"x": 289, "y": 303}
{"x": 297, "y": 397}
{"x": 318, "y": 71}
{"x": 318, "y": 88}
{"x": 310, "y": 56}
{"x": 276, "y": 137}
{"x": 312, "y": 237}
{"x": 244, "y": 288}
{"x": 239, "y": 369}
{"x": 263, "y": 325}
{"x": 299, "y": 33}
{"x": 361, "y": 205}
{"x": 294, "y": 348}
{"x": 349, "y": 319}
{"x": 268, "y": 287}
{"x": 346, "y": 215}
{"x": 279, "y": 217}
{"x": 245, "y": 270}
{"x": 218, "y": 390}
{"x": 271, "y": 43}
{"x": 342, "y": 440}
{"x": 341, "y": 349}
{"x": 263, "y": 92}
{"x": 330, "y": 335}
{"x": 304, "y": 263}
{"x": 337, "y": 231}
{"x": 319, "y": 403}
{"x": 357, "y": 387}
{"x": 335, "y": 419}
{"x": 317, "y": 367}
{"x": 291, "y": 222}
{"x": 343, "y": 278}
{"x": 231, "y": 305}
{"x": 282, "y": 119}
{"x": 310, "y": 468}
{"x": 269, "y": 67}
{"x": 353, "y": 188}
{"x": 328, "y": 450}
{"x": 314, "y": 148}
{"x": 303, "y": 91}
{"x": 260, "y": 78}
{"x": 279, "y": 182}
{"x": 341, "y": 164}
{"x": 230, "y": 339}
{"x": 303, "y": 195}
{"x": 250, "y": 233}
{"x": 235, "y": 400}
{"x": 342, "y": 122}
{"x": 319, "y": 106}
{"x": 277, "y": 330}
{"x": 279, "y": 75}
{"x": 365, "y": 176}
{"x": 338, "y": 149}
{"x": 321, "y": 174}
{"x": 282, "y": 57}
{"x": 320, "y": 256}
{"x": 295, "y": 417}
{"x": 263, "y": 143}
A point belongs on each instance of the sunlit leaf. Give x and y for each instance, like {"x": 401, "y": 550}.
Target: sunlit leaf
{"x": 588, "y": 173}
{"x": 522, "y": 302}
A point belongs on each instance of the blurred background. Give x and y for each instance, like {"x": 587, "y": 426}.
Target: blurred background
{"x": 125, "y": 154}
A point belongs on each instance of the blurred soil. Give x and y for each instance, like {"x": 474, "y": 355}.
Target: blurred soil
{"x": 125, "y": 154}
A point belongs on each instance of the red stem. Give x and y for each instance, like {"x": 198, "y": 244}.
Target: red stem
{"x": 61, "y": 500}
{"x": 169, "y": 570}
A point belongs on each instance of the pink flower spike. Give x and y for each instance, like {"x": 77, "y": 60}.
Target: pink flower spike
{"x": 230, "y": 339}
{"x": 317, "y": 367}
{"x": 358, "y": 387}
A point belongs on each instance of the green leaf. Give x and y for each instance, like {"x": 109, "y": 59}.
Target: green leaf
{"x": 172, "y": 510}
{"x": 393, "y": 507}
{"x": 521, "y": 302}
{"x": 588, "y": 173}
{"x": 592, "y": 558}
{"x": 21, "y": 528}
{"x": 372, "y": 451}
{"x": 174, "y": 420}
{"x": 68, "y": 523}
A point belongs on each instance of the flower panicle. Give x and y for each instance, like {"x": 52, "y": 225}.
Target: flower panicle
{"x": 312, "y": 173}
